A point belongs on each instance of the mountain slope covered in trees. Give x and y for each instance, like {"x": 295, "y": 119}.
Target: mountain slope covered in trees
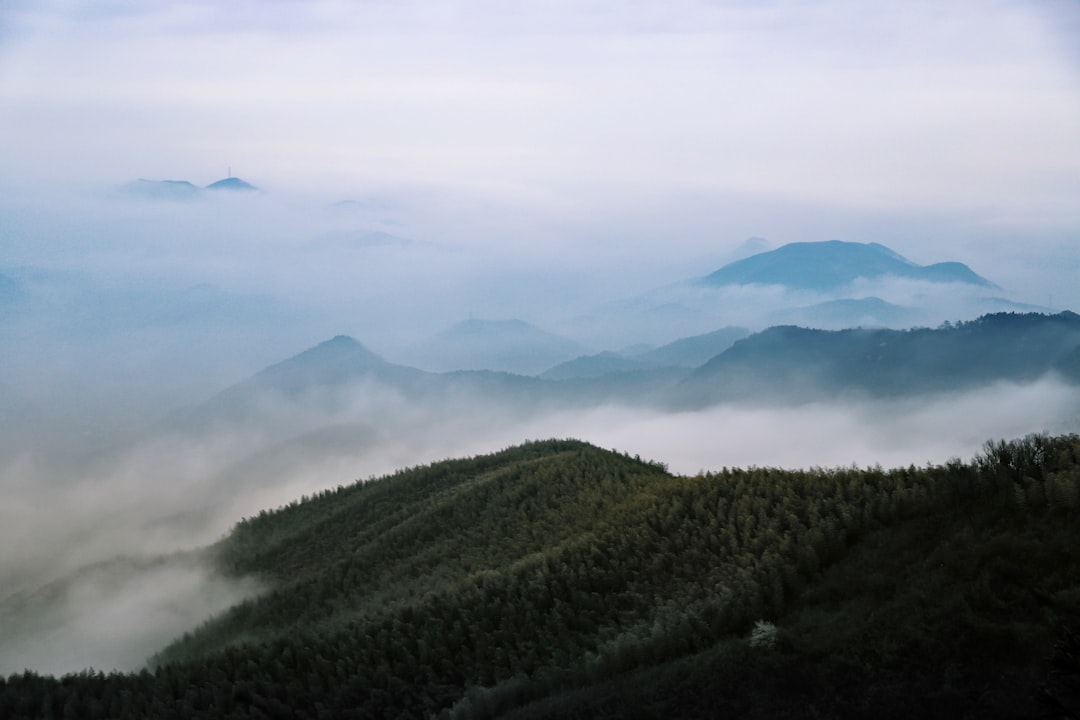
{"x": 556, "y": 579}
{"x": 790, "y": 364}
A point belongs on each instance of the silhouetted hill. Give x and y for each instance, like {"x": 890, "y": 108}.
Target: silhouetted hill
{"x": 320, "y": 377}
{"x": 182, "y": 189}
{"x": 333, "y": 362}
{"x": 556, "y": 579}
{"x": 595, "y": 366}
{"x": 793, "y": 363}
{"x": 834, "y": 264}
{"x": 692, "y": 352}
{"x": 689, "y": 352}
{"x": 232, "y": 184}
{"x": 784, "y": 364}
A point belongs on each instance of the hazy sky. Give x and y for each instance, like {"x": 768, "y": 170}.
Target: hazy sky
{"x": 560, "y": 105}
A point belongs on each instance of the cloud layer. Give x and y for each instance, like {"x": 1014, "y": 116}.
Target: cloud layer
{"x": 833, "y": 102}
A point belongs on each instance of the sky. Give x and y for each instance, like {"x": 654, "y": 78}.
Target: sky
{"x": 565, "y": 107}
{"x": 635, "y": 143}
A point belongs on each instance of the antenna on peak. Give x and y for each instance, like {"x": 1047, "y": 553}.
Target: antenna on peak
{"x": 230, "y": 172}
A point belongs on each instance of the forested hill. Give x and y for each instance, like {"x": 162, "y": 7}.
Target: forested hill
{"x": 556, "y": 579}
{"x": 793, "y": 363}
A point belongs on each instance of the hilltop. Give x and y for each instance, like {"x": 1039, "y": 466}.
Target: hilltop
{"x": 233, "y": 184}
{"x": 833, "y": 265}
{"x": 183, "y": 189}
{"x": 793, "y": 364}
{"x": 556, "y": 579}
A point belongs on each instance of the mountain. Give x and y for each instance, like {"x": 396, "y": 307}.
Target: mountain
{"x": 232, "y": 184}
{"x": 833, "y": 265}
{"x": 692, "y": 352}
{"x": 687, "y": 352}
{"x": 793, "y": 364}
{"x": 503, "y": 345}
{"x": 555, "y": 579}
{"x": 595, "y": 366}
{"x": 848, "y": 313}
{"x": 341, "y": 381}
{"x": 333, "y": 362}
{"x": 320, "y": 376}
{"x": 182, "y": 189}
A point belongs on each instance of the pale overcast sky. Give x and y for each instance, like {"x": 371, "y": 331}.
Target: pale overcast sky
{"x": 880, "y": 105}
{"x": 944, "y": 129}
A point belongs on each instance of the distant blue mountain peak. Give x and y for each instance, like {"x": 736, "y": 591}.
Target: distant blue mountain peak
{"x": 231, "y": 183}
{"x": 834, "y": 264}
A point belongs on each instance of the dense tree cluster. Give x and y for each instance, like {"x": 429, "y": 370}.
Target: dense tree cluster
{"x": 556, "y": 579}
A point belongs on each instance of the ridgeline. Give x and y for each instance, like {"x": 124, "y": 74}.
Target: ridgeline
{"x": 556, "y": 579}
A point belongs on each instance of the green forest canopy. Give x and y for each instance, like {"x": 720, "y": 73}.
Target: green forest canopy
{"x": 556, "y": 579}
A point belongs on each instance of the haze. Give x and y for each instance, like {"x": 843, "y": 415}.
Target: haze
{"x": 571, "y": 165}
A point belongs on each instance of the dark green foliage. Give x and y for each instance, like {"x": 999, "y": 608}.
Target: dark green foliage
{"x": 793, "y": 364}
{"x": 555, "y": 579}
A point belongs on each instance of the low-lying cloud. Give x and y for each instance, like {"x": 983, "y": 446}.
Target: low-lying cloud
{"x": 183, "y": 490}
{"x": 113, "y": 615}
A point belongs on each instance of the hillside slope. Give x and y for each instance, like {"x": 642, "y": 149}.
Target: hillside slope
{"x": 556, "y": 579}
{"x": 792, "y": 364}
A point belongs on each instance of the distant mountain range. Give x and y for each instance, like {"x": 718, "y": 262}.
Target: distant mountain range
{"x": 784, "y": 364}
{"x": 833, "y": 265}
{"x": 184, "y": 190}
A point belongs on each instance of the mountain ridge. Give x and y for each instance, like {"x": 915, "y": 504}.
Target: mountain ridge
{"x": 800, "y": 364}
{"x": 834, "y": 264}
{"x": 556, "y": 579}
{"x": 183, "y": 189}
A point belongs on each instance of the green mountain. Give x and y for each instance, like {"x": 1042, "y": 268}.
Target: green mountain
{"x": 834, "y": 264}
{"x": 793, "y": 364}
{"x": 556, "y": 579}
{"x": 786, "y": 364}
